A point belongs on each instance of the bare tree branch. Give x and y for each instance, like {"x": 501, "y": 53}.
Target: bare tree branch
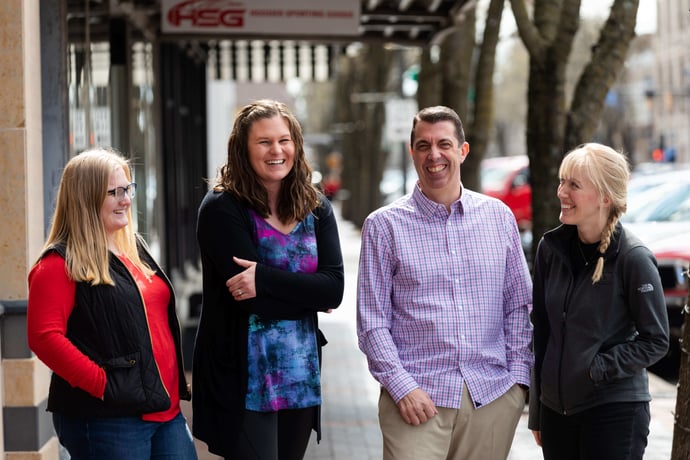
{"x": 529, "y": 34}
{"x": 600, "y": 74}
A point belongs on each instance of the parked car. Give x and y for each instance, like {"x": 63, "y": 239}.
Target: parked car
{"x": 673, "y": 258}
{"x": 645, "y": 179}
{"x": 507, "y": 178}
{"x": 660, "y": 216}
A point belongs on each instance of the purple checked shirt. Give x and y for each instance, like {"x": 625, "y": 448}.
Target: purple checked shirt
{"x": 444, "y": 298}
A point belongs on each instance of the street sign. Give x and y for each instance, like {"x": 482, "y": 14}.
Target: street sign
{"x": 399, "y": 115}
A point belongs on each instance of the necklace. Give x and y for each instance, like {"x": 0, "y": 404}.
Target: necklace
{"x": 586, "y": 259}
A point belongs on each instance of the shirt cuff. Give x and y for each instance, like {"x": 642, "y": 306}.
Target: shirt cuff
{"x": 400, "y": 387}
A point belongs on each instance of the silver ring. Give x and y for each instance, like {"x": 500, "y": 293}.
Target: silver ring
{"x": 240, "y": 293}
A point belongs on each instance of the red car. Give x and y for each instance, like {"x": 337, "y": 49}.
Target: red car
{"x": 507, "y": 178}
{"x": 673, "y": 266}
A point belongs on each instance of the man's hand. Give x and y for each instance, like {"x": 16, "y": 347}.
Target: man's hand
{"x": 417, "y": 407}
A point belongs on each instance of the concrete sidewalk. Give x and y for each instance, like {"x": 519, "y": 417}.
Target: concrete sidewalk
{"x": 350, "y": 424}
{"x": 350, "y": 394}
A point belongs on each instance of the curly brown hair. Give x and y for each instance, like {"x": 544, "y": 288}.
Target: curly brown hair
{"x": 297, "y": 196}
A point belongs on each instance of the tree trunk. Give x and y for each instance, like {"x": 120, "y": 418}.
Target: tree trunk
{"x": 681, "y": 428}
{"x": 363, "y": 81}
{"x": 429, "y": 78}
{"x": 344, "y": 127}
{"x": 546, "y": 113}
{"x": 545, "y": 123}
{"x": 479, "y": 129}
{"x": 457, "y": 50}
{"x": 552, "y": 128}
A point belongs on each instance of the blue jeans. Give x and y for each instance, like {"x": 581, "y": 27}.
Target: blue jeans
{"x": 615, "y": 431}
{"x": 125, "y": 438}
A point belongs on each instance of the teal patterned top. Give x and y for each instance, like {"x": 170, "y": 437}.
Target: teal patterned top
{"x": 283, "y": 354}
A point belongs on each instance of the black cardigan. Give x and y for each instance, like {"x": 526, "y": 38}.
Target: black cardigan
{"x": 224, "y": 230}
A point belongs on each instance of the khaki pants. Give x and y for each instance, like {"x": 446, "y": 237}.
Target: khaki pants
{"x": 454, "y": 434}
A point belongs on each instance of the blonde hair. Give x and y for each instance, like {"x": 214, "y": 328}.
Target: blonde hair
{"x": 77, "y": 222}
{"x": 609, "y": 171}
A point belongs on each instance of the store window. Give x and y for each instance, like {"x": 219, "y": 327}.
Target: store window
{"x": 94, "y": 111}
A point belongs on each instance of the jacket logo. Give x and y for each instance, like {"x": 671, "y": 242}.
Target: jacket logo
{"x": 645, "y": 288}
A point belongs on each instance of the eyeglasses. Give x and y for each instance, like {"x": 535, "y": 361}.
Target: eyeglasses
{"x": 119, "y": 192}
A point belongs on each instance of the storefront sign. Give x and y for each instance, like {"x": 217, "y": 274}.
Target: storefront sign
{"x": 265, "y": 17}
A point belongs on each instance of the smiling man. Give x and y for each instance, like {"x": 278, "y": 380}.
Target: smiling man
{"x": 444, "y": 297}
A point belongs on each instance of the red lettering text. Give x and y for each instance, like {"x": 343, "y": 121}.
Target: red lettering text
{"x": 195, "y": 14}
{"x": 340, "y": 14}
{"x": 305, "y": 13}
{"x": 266, "y": 13}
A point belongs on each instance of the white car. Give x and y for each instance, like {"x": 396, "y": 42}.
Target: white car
{"x": 660, "y": 216}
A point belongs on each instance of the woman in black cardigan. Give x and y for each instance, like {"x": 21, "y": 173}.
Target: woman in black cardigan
{"x": 271, "y": 260}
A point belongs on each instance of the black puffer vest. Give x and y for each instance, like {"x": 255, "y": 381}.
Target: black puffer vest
{"x": 109, "y": 325}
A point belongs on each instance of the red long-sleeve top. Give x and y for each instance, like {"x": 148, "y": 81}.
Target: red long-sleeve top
{"x": 51, "y": 299}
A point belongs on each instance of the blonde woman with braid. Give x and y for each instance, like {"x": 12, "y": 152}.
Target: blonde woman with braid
{"x": 599, "y": 318}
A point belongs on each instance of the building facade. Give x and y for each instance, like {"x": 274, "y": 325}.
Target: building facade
{"x": 81, "y": 73}
{"x": 669, "y": 89}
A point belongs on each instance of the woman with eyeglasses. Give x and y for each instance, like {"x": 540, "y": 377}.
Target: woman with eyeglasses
{"x": 101, "y": 315}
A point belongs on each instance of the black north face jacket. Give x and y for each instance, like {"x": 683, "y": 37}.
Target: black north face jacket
{"x": 593, "y": 342}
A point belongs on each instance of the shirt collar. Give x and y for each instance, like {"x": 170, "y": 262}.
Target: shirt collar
{"x": 431, "y": 208}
